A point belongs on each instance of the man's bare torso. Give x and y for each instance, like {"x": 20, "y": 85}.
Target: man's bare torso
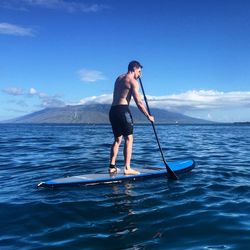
{"x": 122, "y": 90}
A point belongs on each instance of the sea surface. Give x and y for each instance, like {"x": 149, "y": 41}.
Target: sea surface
{"x": 208, "y": 208}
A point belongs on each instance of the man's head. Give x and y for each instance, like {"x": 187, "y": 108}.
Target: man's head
{"x": 135, "y": 66}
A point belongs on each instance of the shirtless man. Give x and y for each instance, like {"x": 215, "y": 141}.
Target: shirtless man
{"x": 120, "y": 117}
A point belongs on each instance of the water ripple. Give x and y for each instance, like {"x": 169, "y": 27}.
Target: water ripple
{"x": 206, "y": 209}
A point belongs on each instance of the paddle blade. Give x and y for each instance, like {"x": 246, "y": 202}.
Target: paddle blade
{"x": 170, "y": 173}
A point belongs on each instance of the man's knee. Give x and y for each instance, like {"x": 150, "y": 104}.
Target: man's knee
{"x": 129, "y": 138}
{"x": 118, "y": 140}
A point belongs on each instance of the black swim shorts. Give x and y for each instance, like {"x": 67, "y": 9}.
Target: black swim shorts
{"x": 121, "y": 120}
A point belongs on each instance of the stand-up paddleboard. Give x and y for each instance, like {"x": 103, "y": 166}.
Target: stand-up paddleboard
{"x": 181, "y": 166}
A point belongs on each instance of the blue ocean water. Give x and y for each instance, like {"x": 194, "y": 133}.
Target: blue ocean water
{"x": 208, "y": 208}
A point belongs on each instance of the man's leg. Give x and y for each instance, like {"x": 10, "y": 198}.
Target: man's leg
{"x": 114, "y": 152}
{"x": 128, "y": 154}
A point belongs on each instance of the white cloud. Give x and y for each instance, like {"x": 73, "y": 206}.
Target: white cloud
{"x": 204, "y": 104}
{"x": 188, "y": 101}
{"x": 51, "y": 101}
{"x": 68, "y": 6}
{"x": 89, "y": 75}
{"x": 32, "y": 91}
{"x": 201, "y": 99}
{"x": 46, "y": 100}
{"x": 15, "y": 30}
{"x": 13, "y": 91}
{"x": 102, "y": 99}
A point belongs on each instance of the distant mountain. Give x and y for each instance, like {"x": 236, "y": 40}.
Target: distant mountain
{"x": 98, "y": 114}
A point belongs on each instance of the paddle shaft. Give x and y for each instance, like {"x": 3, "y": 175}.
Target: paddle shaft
{"x": 170, "y": 171}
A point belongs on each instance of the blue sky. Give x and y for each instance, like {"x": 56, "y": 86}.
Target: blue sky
{"x": 195, "y": 54}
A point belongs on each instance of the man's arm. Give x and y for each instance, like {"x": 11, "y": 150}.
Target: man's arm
{"x": 137, "y": 97}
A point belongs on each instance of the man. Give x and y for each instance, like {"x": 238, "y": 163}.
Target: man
{"x": 126, "y": 85}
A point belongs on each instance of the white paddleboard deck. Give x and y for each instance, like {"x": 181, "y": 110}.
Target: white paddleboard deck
{"x": 181, "y": 166}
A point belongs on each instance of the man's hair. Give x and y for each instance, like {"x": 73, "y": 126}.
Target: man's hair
{"x": 134, "y": 64}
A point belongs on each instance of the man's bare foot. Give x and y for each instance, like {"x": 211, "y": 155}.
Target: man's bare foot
{"x": 113, "y": 169}
{"x": 130, "y": 171}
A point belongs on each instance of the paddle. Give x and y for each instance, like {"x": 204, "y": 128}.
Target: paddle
{"x": 170, "y": 172}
